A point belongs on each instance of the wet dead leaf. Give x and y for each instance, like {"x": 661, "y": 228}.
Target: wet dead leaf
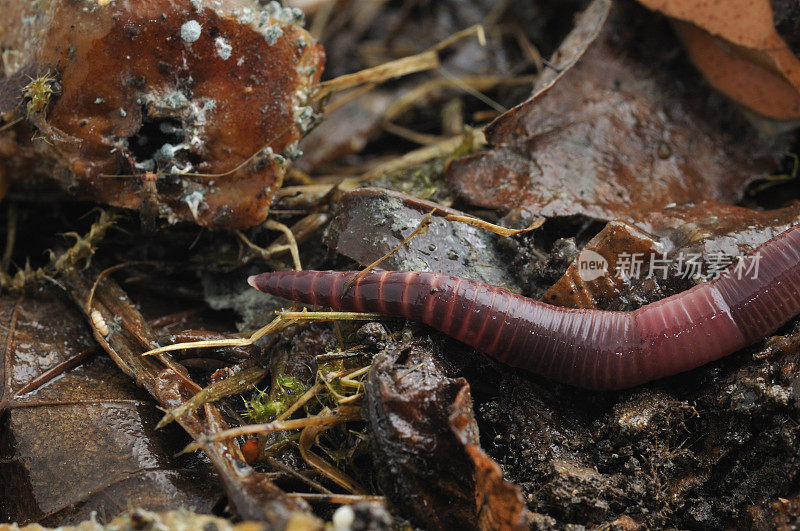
{"x": 425, "y": 440}
{"x": 85, "y": 441}
{"x": 371, "y": 222}
{"x": 616, "y": 136}
{"x": 737, "y": 46}
{"x": 708, "y": 234}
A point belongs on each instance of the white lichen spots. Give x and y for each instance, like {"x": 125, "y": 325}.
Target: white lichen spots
{"x": 197, "y": 5}
{"x": 191, "y": 31}
{"x": 244, "y": 15}
{"x": 303, "y": 117}
{"x": 240, "y": 61}
{"x": 100, "y": 323}
{"x": 199, "y": 111}
{"x": 99, "y": 101}
{"x": 193, "y": 201}
{"x": 293, "y": 151}
{"x": 167, "y": 151}
{"x": 123, "y": 113}
{"x": 307, "y": 70}
{"x": 287, "y": 15}
{"x": 146, "y": 165}
{"x": 175, "y": 100}
{"x": 272, "y": 33}
{"x": 223, "y": 48}
{"x": 270, "y": 154}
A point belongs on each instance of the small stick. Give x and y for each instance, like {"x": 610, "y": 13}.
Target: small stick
{"x": 285, "y": 425}
{"x": 444, "y": 148}
{"x": 300, "y": 402}
{"x": 412, "y": 64}
{"x": 277, "y": 324}
{"x": 274, "y": 463}
{"x": 11, "y": 124}
{"x": 344, "y": 499}
{"x": 426, "y": 60}
{"x": 332, "y": 316}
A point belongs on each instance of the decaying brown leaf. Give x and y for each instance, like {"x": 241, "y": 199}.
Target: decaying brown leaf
{"x": 252, "y": 495}
{"x": 690, "y": 241}
{"x": 210, "y": 97}
{"x": 425, "y": 439}
{"x": 83, "y": 440}
{"x": 737, "y": 46}
{"x": 616, "y": 136}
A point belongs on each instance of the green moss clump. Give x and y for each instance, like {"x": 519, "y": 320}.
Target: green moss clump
{"x": 265, "y": 407}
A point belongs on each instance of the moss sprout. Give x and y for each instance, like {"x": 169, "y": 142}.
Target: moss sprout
{"x": 262, "y": 408}
{"x": 38, "y": 93}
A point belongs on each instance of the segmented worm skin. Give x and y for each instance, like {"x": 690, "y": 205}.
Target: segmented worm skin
{"x": 587, "y": 348}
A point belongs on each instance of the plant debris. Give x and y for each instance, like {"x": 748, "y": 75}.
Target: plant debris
{"x": 210, "y": 99}
{"x": 279, "y": 416}
{"x": 613, "y": 137}
{"x": 424, "y": 432}
{"x": 67, "y": 405}
{"x": 369, "y": 223}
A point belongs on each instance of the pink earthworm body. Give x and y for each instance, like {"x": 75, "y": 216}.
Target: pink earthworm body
{"x": 587, "y": 348}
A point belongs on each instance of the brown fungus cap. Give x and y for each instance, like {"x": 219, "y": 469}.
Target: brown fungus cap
{"x": 175, "y": 87}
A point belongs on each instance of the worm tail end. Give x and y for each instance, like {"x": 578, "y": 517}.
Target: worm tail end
{"x": 318, "y": 288}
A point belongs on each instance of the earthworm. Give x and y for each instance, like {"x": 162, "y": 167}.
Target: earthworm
{"x": 588, "y": 348}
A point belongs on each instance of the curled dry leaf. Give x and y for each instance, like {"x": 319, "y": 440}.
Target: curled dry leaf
{"x": 425, "y": 439}
{"x": 86, "y": 442}
{"x": 176, "y": 88}
{"x": 615, "y": 135}
{"x": 739, "y": 49}
{"x": 370, "y": 222}
{"x": 708, "y": 234}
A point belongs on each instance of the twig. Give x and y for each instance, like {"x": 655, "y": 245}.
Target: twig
{"x": 332, "y": 316}
{"x": 250, "y": 493}
{"x": 277, "y": 324}
{"x": 237, "y": 383}
{"x": 307, "y": 439}
{"x": 426, "y": 60}
{"x": 441, "y": 149}
{"x": 284, "y": 425}
{"x": 343, "y": 499}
